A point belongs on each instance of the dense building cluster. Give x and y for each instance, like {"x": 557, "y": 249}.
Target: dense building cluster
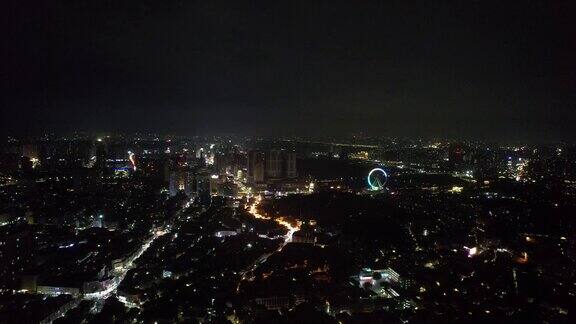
{"x": 149, "y": 228}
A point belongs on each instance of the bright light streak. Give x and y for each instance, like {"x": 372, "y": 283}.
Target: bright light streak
{"x": 253, "y": 210}
{"x": 456, "y": 189}
{"x": 280, "y": 220}
{"x": 471, "y": 251}
{"x": 132, "y": 159}
{"x": 524, "y": 258}
{"x": 124, "y": 270}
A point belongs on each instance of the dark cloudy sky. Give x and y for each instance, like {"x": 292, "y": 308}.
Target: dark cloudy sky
{"x": 485, "y": 69}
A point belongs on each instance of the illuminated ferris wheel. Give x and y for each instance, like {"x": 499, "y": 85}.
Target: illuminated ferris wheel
{"x": 377, "y": 178}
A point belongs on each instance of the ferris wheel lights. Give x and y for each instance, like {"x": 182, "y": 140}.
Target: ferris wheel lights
{"x": 377, "y": 184}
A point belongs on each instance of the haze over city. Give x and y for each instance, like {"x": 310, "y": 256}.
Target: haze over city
{"x": 481, "y": 69}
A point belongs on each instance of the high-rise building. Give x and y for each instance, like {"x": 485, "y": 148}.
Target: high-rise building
{"x": 204, "y": 188}
{"x": 30, "y": 151}
{"x": 273, "y": 164}
{"x": 291, "y": 171}
{"x": 256, "y": 166}
{"x": 181, "y": 180}
{"x": 100, "y": 156}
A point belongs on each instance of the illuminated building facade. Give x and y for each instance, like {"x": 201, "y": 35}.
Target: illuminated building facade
{"x": 181, "y": 180}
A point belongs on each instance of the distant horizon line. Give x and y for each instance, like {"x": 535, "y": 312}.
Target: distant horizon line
{"x": 285, "y": 137}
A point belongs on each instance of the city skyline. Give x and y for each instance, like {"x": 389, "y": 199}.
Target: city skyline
{"x": 303, "y": 161}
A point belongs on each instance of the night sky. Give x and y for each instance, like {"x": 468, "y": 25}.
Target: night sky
{"x": 470, "y": 69}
